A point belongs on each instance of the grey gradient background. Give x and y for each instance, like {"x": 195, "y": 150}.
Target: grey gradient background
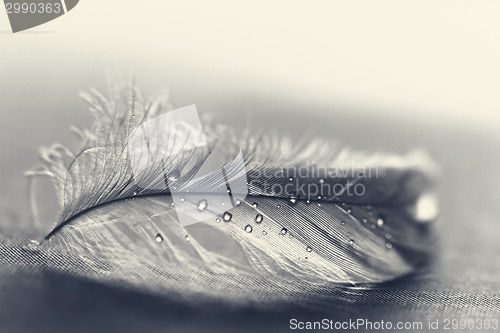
{"x": 386, "y": 75}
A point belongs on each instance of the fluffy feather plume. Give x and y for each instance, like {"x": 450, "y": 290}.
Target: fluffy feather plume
{"x": 276, "y": 245}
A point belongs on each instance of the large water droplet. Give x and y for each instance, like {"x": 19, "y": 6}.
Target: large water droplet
{"x": 202, "y": 204}
{"x": 380, "y": 222}
{"x": 309, "y": 249}
{"x": 259, "y": 218}
{"x": 283, "y": 231}
{"x": 174, "y": 176}
{"x": 227, "y": 216}
{"x": 159, "y": 238}
{"x": 248, "y": 228}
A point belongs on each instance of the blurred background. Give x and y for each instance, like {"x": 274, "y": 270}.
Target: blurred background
{"x": 374, "y": 75}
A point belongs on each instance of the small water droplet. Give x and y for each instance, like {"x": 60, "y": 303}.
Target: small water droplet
{"x": 293, "y": 200}
{"x": 388, "y": 245}
{"x": 159, "y": 238}
{"x": 33, "y": 245}
{"x": 217, "y": 220}
{"x": 135, "y": 193}
{"x": 202, "y": 204}
{"x": 343, "y": 222}
{"x": 349, "y": 210}
{"x": 283, "y": 231}
{"x": 319, "y": 205}
{"x": 351, "y": 242}
{"x": 388, "y": 235}
{"x": 259, "y": 218}
{"x": 291, "y": 179}
{"x": 223, "y": 203}
{"x": 182, "y": 199}
{"x": 237, "y": 202}
{"x": 309, "y": 249}
{"x": 264, "y": 232}
{"x": 279, "y": 206}
{"x": 319, "y": 197}
{"x": 348, "y": 234}
{"x": 255, "y": 205}
{"x": 248, "y": 228}
{"x": 308, "y": 201}
{"x": 380, "y": 222}
{"x": 133, "y": 116}
{"x": 290, "y": 236}
{"x": 187, "y": 238}
{"x": 227, "y": 216}
{"x": 373, "y": 226}
{"x": 172, "y": 204}
{"x": 321, "y": 180}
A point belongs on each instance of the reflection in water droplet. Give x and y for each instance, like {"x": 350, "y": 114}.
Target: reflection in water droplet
{"x": 174, "y": 176}
{"x": 203, "y": 204}
{"x": 159, "y": 238}
{"x": 217, "y": 220}
{"x": 283, "y": 231}
{"x": 264, "y": 232}
{"x": 380, "y": 222}
{"x": 259, "y": 218}
{"x": 248, "y": 228}
{"x": 227, "y": 216}
{"x": 309, "y": 249}
{"x": 255, "y": 205}
{"x": 388, "y": 245}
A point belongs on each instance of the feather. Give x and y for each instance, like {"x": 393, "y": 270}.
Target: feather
{"x": 294, "y": 237}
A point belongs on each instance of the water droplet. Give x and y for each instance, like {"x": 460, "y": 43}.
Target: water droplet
{"x": 227, "y": 216}
{"x": 388, "y": 245}
{"x": 223, "y": 203}
{"x": 319, "y": 205}
{"x": 172, "y": 204}
{"x": 248, "y": 228}
{"x": 203, "y": 204}
{"x": 159, "y": 238}
{"x": 187, "y": 238}
{"x": 308, "y": 201}
{"x": 237, "y": 202}
{"x": 33, "y": 245}
{"x": 373, "y": 226}
{"x": 319, "y": 197}
{"x": 343, "y": 222}
{"x": 290, "y": 236}
{"x": 388, "y": 236}
{"x": 174, "y": 176}
{"x": 380, "y": 222}
{"x": 365, "y": 220}
{"x": 135, "y": 193}
{"x": 182, "y": 199}
{"x": 293, "y": 200}
{"x": 283, "y": 231}
{"x": 133, "y": 116}
{"x": 351, "y": 242}
{"x": 309, "y": 249}
{"x": 217, "y": 220}
{"x": 259, "y": 218}
{"x": 279, "y": 206}
{"x": 264, "y": 232}
{"x": 321, "y": 180}
{"x": 291, "y": 179}
{"x": 255, "y": 205}
{"x": 349, "y": 210}
{"x": 348, "y": 234}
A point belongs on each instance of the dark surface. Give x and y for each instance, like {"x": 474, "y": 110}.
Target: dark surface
{"x": 463, "y": 282}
